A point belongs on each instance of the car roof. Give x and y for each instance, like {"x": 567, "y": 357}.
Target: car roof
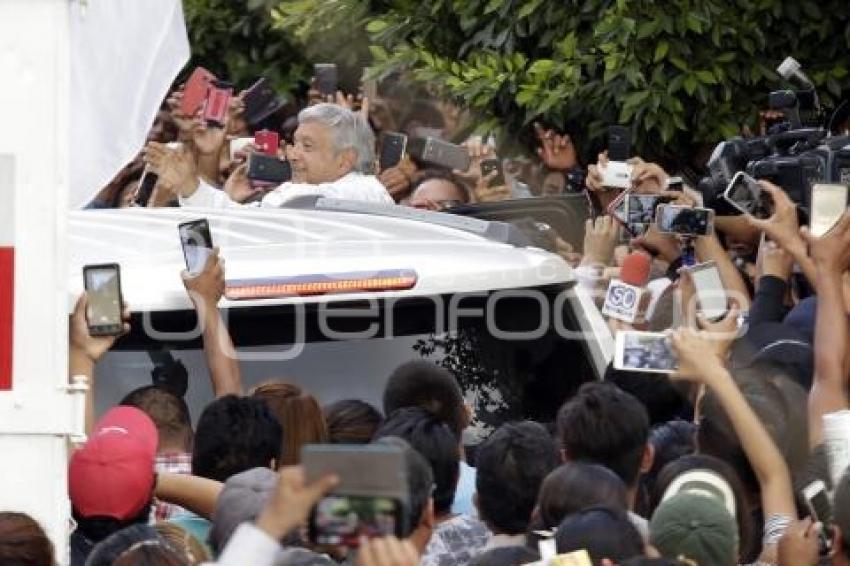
{"x": 259, "y": 243}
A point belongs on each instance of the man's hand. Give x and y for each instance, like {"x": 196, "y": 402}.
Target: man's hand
{"x": 782, "y": 226}
{"x": 665, "y": 246}
{"x": 556, "y": 151}
{"x": 177, "y": 168}
{"x": 799, "y": 545}
{"x": 696, "y": 355}
{"x": 387, "y": 551}
{"x": 600, "y": 239}
{"x": 478, "y": 151}
{"x": 594, "y": 174}
{"x": 82, "y": 344}
{"x": 775, "y": 261}
{"x": 831, "y": 252}
{"x": 238, "y": 185}
{"x": 396, "y": 180}
{"x": 292, "y": 500}
{"x": 485, "y": 193}
{"x": 207, "y": 287}
{"x": 184, "y": 123}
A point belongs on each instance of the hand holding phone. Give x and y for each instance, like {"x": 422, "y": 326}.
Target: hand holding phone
{"x": 710, "y": 293}
{"x": 684, "y": 220}
{"x": 489, "y": 166}
{"x": 645, "y": 352}
{"x": 745, "y": 194}
{"x": 326, "y": 78}
{"x": 393, "y": 147}
{"x": 197, "y": 244}
{"x": 105, "y": 305}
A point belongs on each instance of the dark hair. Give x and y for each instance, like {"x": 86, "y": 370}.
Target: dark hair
{"x": 661, "y": 398}
{"x": 605, "y": 532}
{"x": 670, "y": 441}
{"x": 106, "y": 552}
{"x": 235, "y": 434}
{"x": 351, "y": 421}
{"x": 299, "y": 414}
{"x": 420, "y": 480}
{"x": 432, "y": 438}
{"x": 23, "y": 541}
{"x": 505, "y": 556}
{"x": 169, "y": 413}
{"x": 511, "y": 466}
{"x": 780, "y": 404}
{"x": 441, "y": 175}
{"x": 606, "y": 425}
{"x": 97, "y": 529}
{"x": 573, "y": 486}
{"x": 749, "y": 544}
{"x": 423, "y": 384}
{"x": 841, "y": 510}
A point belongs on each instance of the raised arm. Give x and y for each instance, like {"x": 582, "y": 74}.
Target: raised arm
{"x": 198, "y": 495}
{"x": 206, "y": 289}
{"x": 709, "y": 248}
{"x": 831, "y": 256}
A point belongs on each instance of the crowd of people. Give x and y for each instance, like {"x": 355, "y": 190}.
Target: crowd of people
{"x": 705, "y": 465}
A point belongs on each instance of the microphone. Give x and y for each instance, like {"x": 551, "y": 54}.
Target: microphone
{"x": 627, "y": 299}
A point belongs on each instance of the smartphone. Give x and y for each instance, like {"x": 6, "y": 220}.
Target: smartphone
{"x": 105, "y": 305}
{"x": 268, "y": 169}
{"x": 713, "y": 302}
{"x": 820, "y": 509}
{"x": 326, "y": 78}
{"x": 149, "y": 179}
{"x": 267, "y": 142}
{"x": 619, "y": 143}
{"x": 644, "y": 351}
{"x": 744, "y": 193}
{"x": 370, "y": 499}
{"x": 195, "y": 91}
{"x": 260, "y": 101}
{"x": 441, "y": 153}
{"x": 196, "y": 241}
{"x": 217, "y": 103}
{"x": 393, "y": 146}
{"x": 684, "y": 220}
{"x": 829, "y": 201}
{"x": 489, "y": 166}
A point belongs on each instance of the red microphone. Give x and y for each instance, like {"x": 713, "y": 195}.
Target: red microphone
{"x": 635, "y": 270}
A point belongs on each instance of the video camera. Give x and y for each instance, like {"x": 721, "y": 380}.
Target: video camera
{"x": 794, "y": 155}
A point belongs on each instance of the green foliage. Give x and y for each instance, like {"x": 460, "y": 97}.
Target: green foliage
{"x": 237, "y": 41}
{"x": 685, "y": 72}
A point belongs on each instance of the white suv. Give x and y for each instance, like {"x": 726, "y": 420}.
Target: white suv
{"x": 369, "y": 288}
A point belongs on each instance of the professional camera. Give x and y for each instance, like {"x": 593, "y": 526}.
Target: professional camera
{"x": 795, "y": 154}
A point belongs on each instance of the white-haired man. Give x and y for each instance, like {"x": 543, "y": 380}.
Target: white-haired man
{"x": 333, "y": 155}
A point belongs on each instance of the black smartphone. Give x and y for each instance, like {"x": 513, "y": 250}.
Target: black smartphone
{"x": 105, "y": 305}
{"x": 196, "y": 241}
{"x": 260, "y": 101}
{"x": 147, "y": 183}
{"x": 326, "y": 78}
{"x": 370, "y": 498}
{"x": 619, "y": 143}
{"x": 393, "y": 146}
{"x": 268, "y": 169}
{"x": 820, "y": 510}
{"x": 673, "y": 219}
{"x": 489, "y": 166}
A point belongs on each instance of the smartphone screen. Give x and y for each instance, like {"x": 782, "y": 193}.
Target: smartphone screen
{"x": 745, "y": 194}
{"x": 196, "y": 240}
{"x": 343, "y": 519}
{"x": 828, "y": 204}
{"x": 644, "y": 351}
{"x": 489, "y": 166}
{"x": 640, "y": 209}
{"x": 393, "y": 146}
{"x": 710, "y": 291}
{"x": 103, "y": 288}
{"x": 684, "y": 220}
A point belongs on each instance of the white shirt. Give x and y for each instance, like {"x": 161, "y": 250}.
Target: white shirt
{"x": 353, "y": 186}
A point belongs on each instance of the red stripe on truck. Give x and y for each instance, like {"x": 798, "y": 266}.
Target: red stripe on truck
{"x": 7, "y": 311}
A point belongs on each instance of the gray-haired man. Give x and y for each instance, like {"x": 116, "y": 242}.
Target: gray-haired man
{"x": 332, "y": 156}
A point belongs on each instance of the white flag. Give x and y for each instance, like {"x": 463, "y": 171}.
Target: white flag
{"x": 124, "y": 56}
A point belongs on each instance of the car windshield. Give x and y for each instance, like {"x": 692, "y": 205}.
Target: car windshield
{"x": 516, "y": 354}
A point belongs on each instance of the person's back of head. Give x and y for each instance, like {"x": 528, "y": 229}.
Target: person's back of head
{"x": 183, "y": 542}
{"x": 424, "y": 384}
{"x": 606, "y": 425}
{"x": 780, "y": 405}
{"x": 107, "y": 551}
{"x": 300, "y": 417}
{"x": 243, "y": 497}
{"x": 511, "y": 465}
{"x": 151, "y": 554}
{"x": 575, "y": 485}
{"x": 23, "y": 542}
{"x": 433, "y": 439}
{"x": 420, "y": 481}
{"x": 349, "y": 131}
{"x": 697, "y": 526}
{"x": 603, "y": 531}
{"x": 169, "y": 413}
{"x": 235, "y": 434}
{"x": 505, "y": 556}
{"x": 351, "y": 421}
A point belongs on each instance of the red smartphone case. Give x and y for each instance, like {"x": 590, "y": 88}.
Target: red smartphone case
{"x": 196, "y": 90}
